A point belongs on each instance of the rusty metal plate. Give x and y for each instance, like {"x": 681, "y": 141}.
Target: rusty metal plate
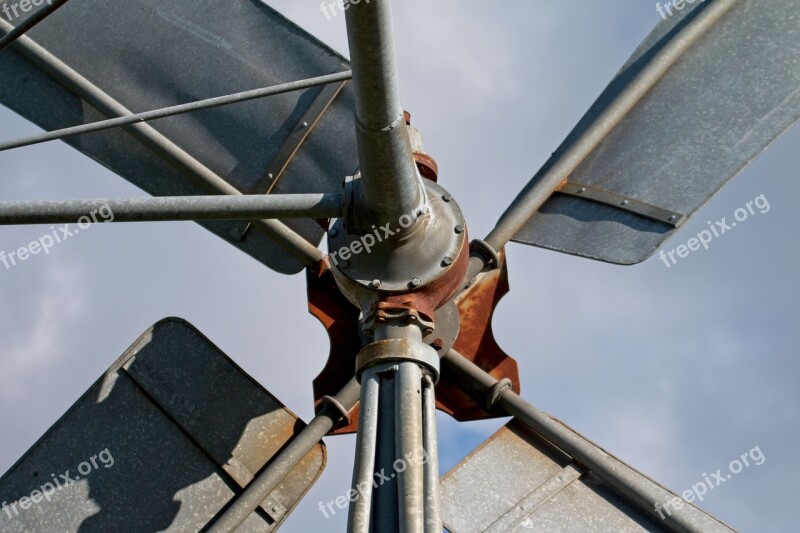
{"x": 475, "y": 342}
{"x": 517, "y": 481}
{"x": 161, "y": 442}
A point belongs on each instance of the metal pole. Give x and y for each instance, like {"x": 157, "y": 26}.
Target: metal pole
{"x": 409, "y": 439}
{"x": 358, "y": 520}
{"x": 642, "y": 491}
{"x": 390, "y": 185}
{"x": 160, "y": 145}
{"x": 251, "y": 207}
{"x": 433, "y": 519}
{"x": 258, "y": 489}
{"x": 176, "y": 110}
{"x": 30, "y": 22}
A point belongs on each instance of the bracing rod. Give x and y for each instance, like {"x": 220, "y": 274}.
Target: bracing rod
{"x": 222, "y": 207}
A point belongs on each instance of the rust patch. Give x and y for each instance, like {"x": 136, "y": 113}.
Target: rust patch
{"x": 476, "y": 342}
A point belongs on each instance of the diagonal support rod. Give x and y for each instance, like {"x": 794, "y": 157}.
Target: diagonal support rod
{"x": 244, "y": 207}
{"x": 26, "y": 25}
{"x": 208, "y": 103}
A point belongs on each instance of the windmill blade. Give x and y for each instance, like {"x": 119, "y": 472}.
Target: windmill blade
{"x": 710, "y": 88}
{"x": 145, "y": 55}
{"x": 154, "y": 446}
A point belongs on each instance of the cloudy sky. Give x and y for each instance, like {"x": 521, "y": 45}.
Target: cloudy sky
{"x": 676, "y": 371}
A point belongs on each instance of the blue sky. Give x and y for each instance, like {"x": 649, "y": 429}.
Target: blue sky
{"x": 676, "y": 371}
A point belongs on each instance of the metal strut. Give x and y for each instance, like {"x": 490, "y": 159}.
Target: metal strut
{"x": 396, "y": 472}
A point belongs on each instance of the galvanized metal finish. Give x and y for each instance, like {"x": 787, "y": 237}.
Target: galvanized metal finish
{"x": 172, "y": 208}
{"x": 639, "y": 490}
{"x": 366, "y": 446}
{"x": 433, "y": 519}
{"x": 391, "y": 185}
{"x": 425, "y": 253}
{"x": 109, "y": 73}
{"x": 646, "y": 140}
{"x": 394, "y": 350}
{"x": 177, "y": 450}
{"x": 208, "y": 103}
{"x": 408, "y": 441}
{"x": 245, "y": 504}
{"x": 28, "y": 23}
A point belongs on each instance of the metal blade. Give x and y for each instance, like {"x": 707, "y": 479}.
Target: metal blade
{"x": 154, "y": 446}
{"x": 708, "y": 90}
{"x": 176, "y": 53}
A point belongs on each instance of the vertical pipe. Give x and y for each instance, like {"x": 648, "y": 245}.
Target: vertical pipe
{"x": 366, "y": 442}
{"x": 433, "y": 519}
{"x": 385, "y": 517}
{"x": 409, "y": 443}
{"x": 390, "y": 185}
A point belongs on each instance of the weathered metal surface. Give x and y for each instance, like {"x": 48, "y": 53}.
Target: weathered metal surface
{"x": 708, "y": 90}
{"x": 475, "y": 341}
{"x": 517, "y": 481}
{"x": 180, "y": 449}
{"x": 225, "y": 48}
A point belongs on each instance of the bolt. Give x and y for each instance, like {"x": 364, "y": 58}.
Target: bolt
{"x": 344, "y": 264}
{"x": 270, "y": 175}
{"x": 376, "y": 283}
{"x": 275, "y": 509}
{"x": 333, "y": 233}
{"x": 416, "y": 282}
{"x": 305, "y": 124}
{"x": 671, "y": 218}
{"x": 583, "y": 189}
{"x": 438, "y": 344}
{"x": 229, "y": 462}
{"x": 459, "y": 228}
{"x": 447, "y": 261}
{"x": 624, "y": 202}
{"x": 447, "y": 197}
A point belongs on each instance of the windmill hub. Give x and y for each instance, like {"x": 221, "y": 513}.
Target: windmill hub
{"x": 412, "y": 265}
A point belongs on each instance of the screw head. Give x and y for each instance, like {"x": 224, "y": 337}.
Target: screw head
{"x": 447, "y": 261}
{"x": 416, "y": 282}
{"x": 333, "y": 232}
{"x": 447, "y": 197}
{"x": 376, "y": 283}
{"x": 459, "y": 228}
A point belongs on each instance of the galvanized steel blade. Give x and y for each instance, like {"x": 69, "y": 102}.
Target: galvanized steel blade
{"x": 297, "y": 142}
{"x": 705, "y": 93}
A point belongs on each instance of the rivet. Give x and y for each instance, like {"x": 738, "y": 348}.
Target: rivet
{"x": 624, "y": 202}
{"x": 447, "y": 261}
{"x": 305, "y": 124}
{"x": 583, "y": 189}
{"x": 416, "y": 282}
{"x": 459, "y": 228}
{"x": 447, "y": 197}
{"x": 376, "y": 283}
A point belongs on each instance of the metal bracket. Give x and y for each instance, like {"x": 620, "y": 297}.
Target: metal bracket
{"x": 623, "y": 203}
{"x": 291, "y": 146}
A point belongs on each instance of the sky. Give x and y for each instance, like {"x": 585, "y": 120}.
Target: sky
{"x": 677, "y": 371}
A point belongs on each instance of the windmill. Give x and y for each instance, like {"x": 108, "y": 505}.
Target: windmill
{"x": 597, "y": 202}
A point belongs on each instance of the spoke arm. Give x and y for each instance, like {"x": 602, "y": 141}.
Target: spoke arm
{"x": 176, "y": 110}
{"x": 250, "y": 207}
{"x": 41, "y": 14}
